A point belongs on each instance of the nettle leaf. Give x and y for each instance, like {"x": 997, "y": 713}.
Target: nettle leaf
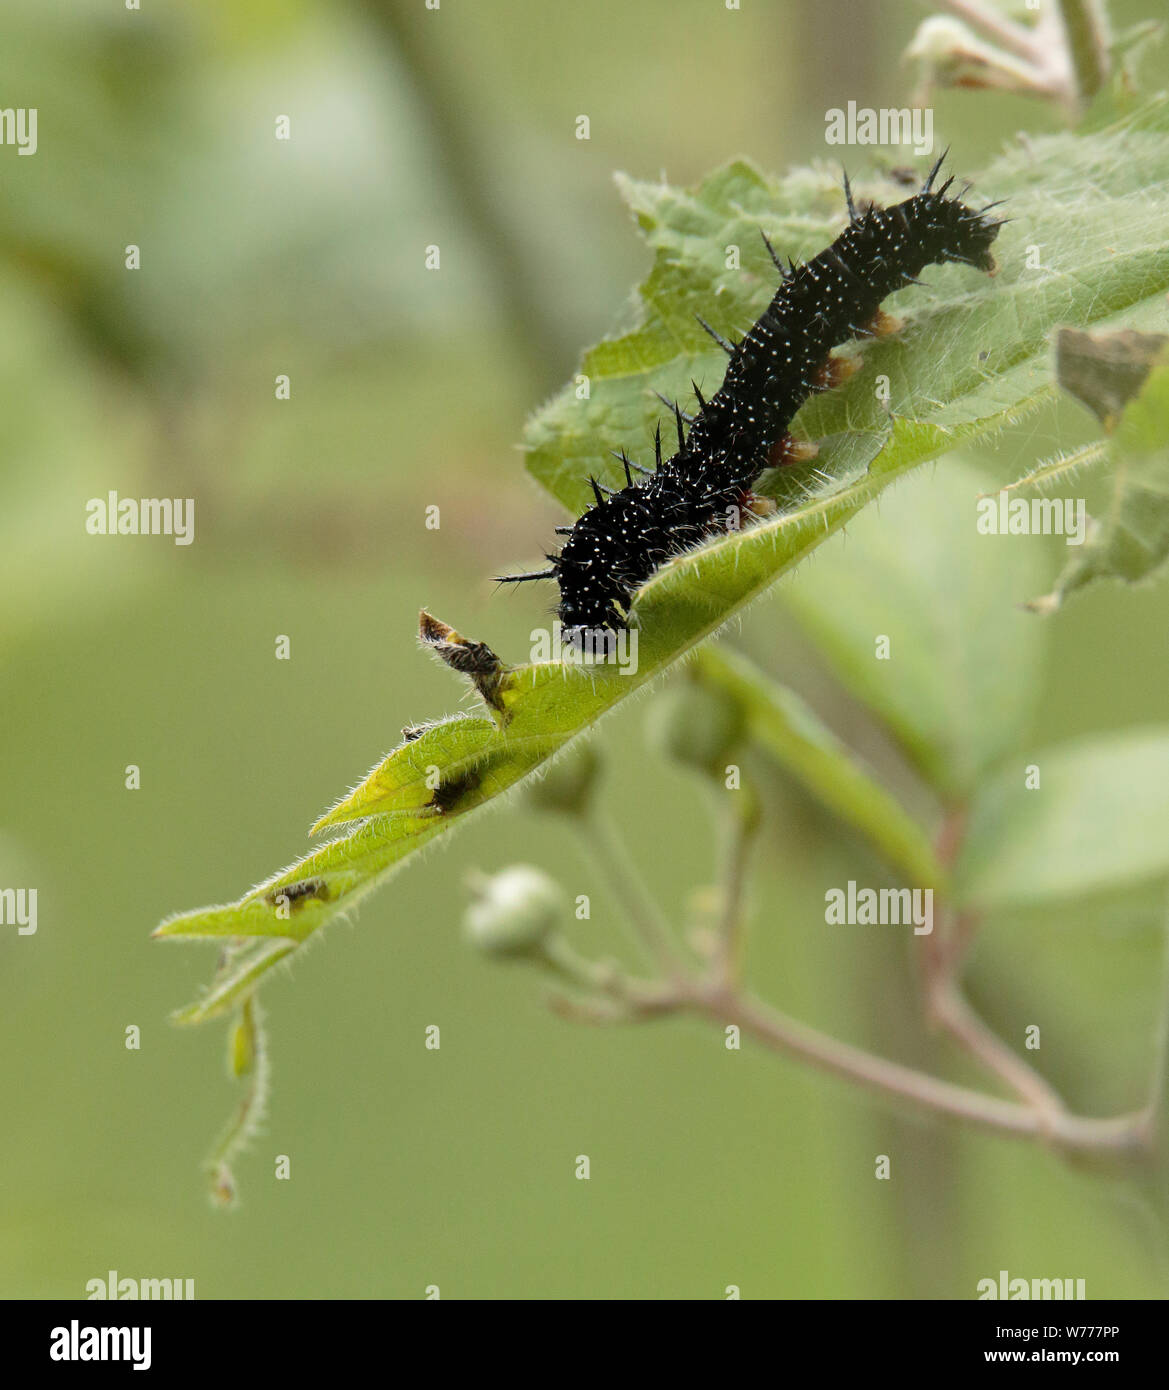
{"x": 1130, "y": 541}
{"x": 918, "y": 614}
{"x": 972, "y": 357}
{"x": 1098, "y": 819}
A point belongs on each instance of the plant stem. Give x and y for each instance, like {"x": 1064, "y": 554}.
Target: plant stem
{"x": 614, "y": 864}
{"x": 615, "y": 996}
{"x": 245, "y": 1122}
{"x": 1086, "y": 32}
{"x": 1005, "y": 32}
{"x": 1044, "y": 1118}
{"x": 943, "y": 953}
{"x": 1124, "y": 1134}
{"x": 951, "y": 1009}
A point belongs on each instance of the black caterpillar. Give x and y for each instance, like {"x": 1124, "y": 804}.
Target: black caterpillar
{"x": 706, "y": 486}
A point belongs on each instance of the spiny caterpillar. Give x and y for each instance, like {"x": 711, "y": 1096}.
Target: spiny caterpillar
{"x": 743, "y": 429}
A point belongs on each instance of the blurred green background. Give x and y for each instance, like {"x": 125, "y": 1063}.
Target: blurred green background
{"x": 409, "y": 388}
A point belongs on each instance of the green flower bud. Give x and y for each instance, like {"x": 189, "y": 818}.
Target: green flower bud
{"x": 514, "y": 912}
{"x": 696, "y": 726}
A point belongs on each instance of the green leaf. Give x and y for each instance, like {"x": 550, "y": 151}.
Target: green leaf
{"x": 1131, "y": 540}
{"x": 346, "y": 869}
{"x": 463, "y": 747}
{"x": 958, "y": 684}
{"x": 787, "y": 728}
{"x": 1099, "y": 819}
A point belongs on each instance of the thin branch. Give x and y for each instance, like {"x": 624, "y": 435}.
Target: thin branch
{"x": 943, "y": 953}
{"x": 640, "y": 1006}
{"x": 1086, "y": 36}
{"x": 950, "y": 1008}
{"x": 1124, "y": 1134}
{"x": 611, "y": 996}
{"x": 1007, "y": 33}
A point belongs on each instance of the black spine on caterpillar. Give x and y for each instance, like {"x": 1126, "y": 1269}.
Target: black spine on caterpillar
{"x": 621, "y": 540}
